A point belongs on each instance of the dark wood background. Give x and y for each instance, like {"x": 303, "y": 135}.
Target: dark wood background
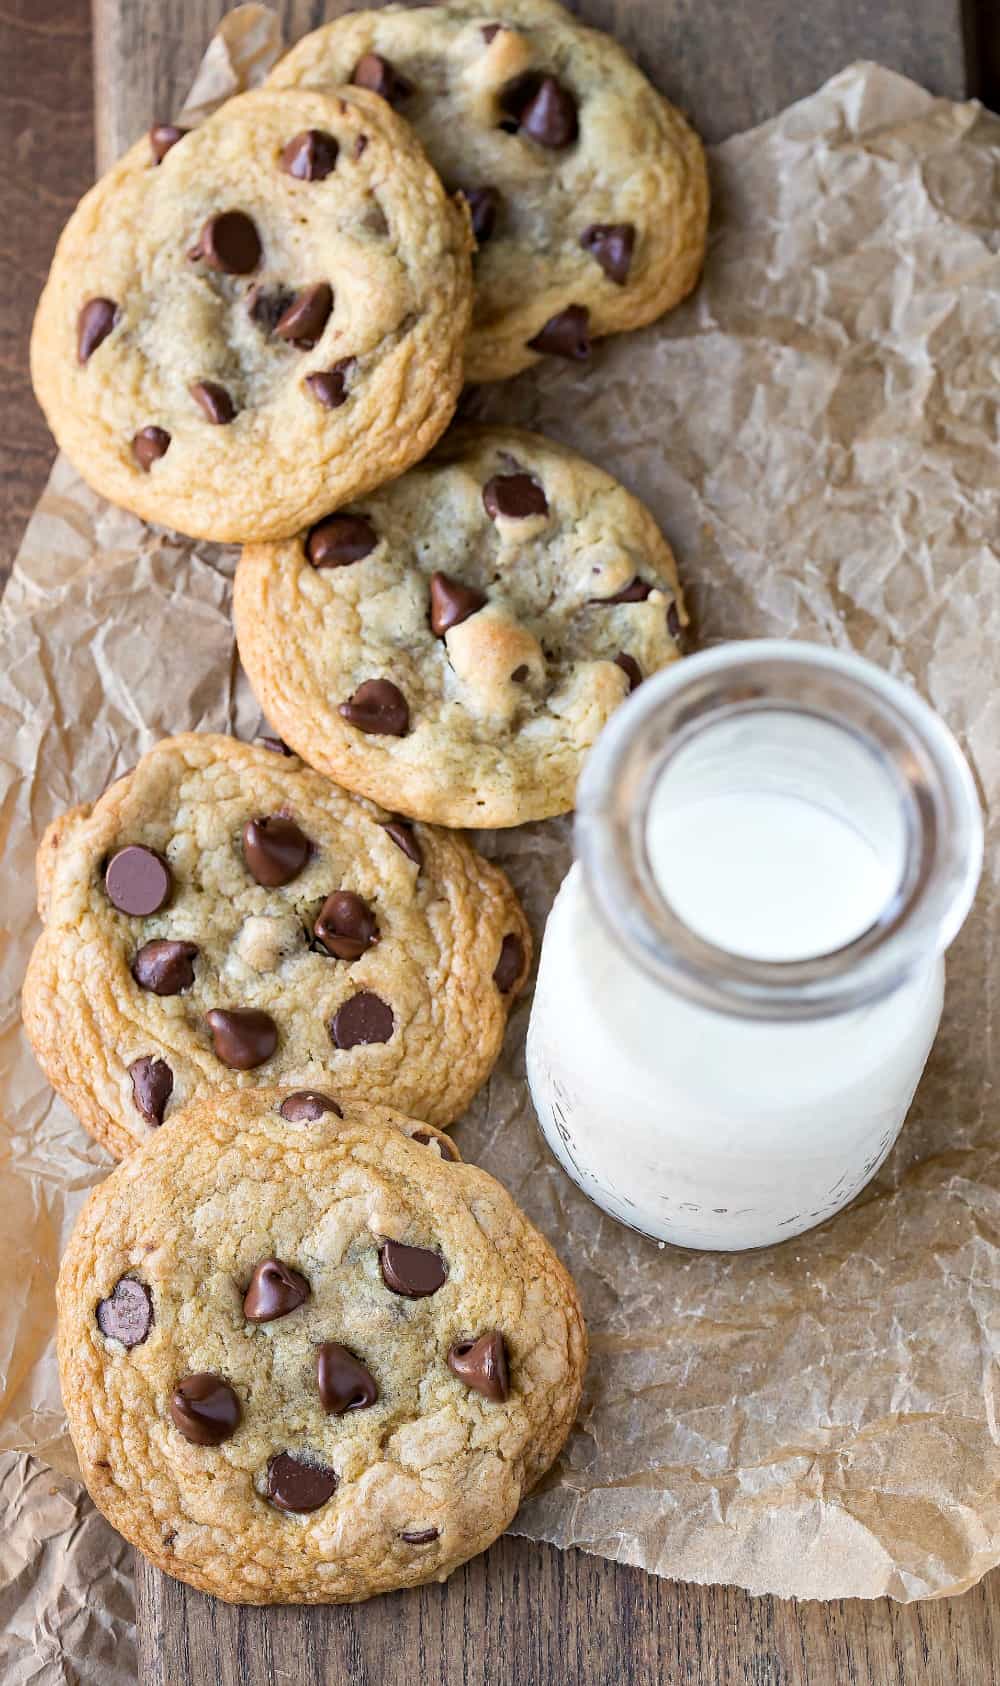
{"x": 521, "y": 1613}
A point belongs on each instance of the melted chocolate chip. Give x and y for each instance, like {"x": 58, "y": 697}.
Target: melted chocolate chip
{"x": 93, "y": 325}
{"x": 405, "y": 838}
{"x": 346, "y": 926}
{"x": 421, "y": 1536}
{"x": 345, "y": 1384}
{"x": 275, "y": 850}
{"x": 542, "y": 108}
{"x": 445, "y": 1147}
{"x": 452, "y": 603}
{"x": 520, "y": 674}
{"x": 149, "y": 445}
{"x": 229, "y": 242}
{"x": 267, "y": 305}
{"x": 138, "y": 881}
{"x": 631, "y": 669}
{"x": 482, "y": 1365}
{"x": 329, "y": 386}
{"x": 274, "y": 1290}
{"x": 243, "y": 1037}
{"x": 304, "y": 320}
{"x": 205, "y": 1409}
{"x": 127, "y": 1314}
{"x": 310, "y": 155}
{"x": 414, "y": 1272}
{"x": 674, "y": 622}
{"x": 377, "y": 73}
{"x": 295, "y": 1485}
{"x": 379, "y": 707}
{"x": 214, "y": 401}
{"x": 362, "y": 1019}
{"x": 305, "y": 1106}
{"x": 277, "y": 746}
{"x": 516, "y": 496}
{"x": 510, "y": 964}
{"x": 340, "y": 539}
{"x": 152, "y": 1087}
{"x": 612, "y": 244}
{"x": 635, "y": 592}
{"x": 165, "y": 967}
{"x": 162, "y": 136}
{"x": 565, "y": 334}
{"x": 484, "y": 205}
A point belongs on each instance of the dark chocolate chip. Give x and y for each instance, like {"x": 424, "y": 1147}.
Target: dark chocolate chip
{"x": 162, "y": 136}
{"x": 565, "y": 334}
{"x": 345, "y": 1384}
{"x": 542, "y": 108}
{"x": 165, "y": 967}
{"x": 484, "y": 204}
{"x": 377, "y": 706}
{"x": 359, "y": 145}
{"x": 520, "y": 674}
{"x": 137, "y": 880}
{"x": 452, "y": 603}
{"x": 205, "y": 1409}
{"x": 446, "y": 1148}
{"x": 214, "y": 400}
{"x": 310, "y": 155}
{"x": 339, "y": 539}
{"x": 363, "y": 1018}
{"x": 346, "y": 926}
{"x": 612, "y": 244}
{"x": 93, "y": 325}
{"x": 229, "y": 242}
{"x": 243, "y": 1037}
{"x": 510, "y": 964}
{"x": 275, "y": 849}
{"x": 405, "y": 838}
{"x": 414, "y": 1272}
{"x": 274, "y": 1290}
{"x": 152, "y": 1086}
{"x": 305, "y": 1106}
{"x": 515, "y": 496}
{"x": 489, "y": 32}
{"x": 127, "y": 1314}
{"x": 149, "y": 445}
{"x": 420, "y": 1536}
{"x": 377, "y": 73}
{"x": 630, "y": 667}
{"x": 635, "y": 592}
{"x": 482, "y": 1365}
{"x": 329, "y": 386}
{"x": 295, "y": 1485}
{"x": 267, "y": 305}
{"x": 277, "y": 746}
{"x": 674, "y": 622}
{"x": 306, "y": 317}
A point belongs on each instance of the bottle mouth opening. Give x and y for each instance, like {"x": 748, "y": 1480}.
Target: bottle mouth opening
{"x": 780, "y": 721}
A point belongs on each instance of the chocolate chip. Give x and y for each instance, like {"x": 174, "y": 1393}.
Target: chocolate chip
{"x": 345, "y": 1384}
{"x": 612, "y": 244}
{"x": 565, "y": 334}
{"x": 482, "y": 1365}
{"x": 152, "y": 1086}
{"x": 452, "y": 603}
{"x": 510, "y": 964}
{"x": 414, "y": 1272}
{"x": 421, "y": 1536}
{"x": 267, "y": 305}
{"x": 137, "y": 880}
{"x": 275, "y": 850}
{"x": 305, "y": 1106}
{"x": 205, "y": 1409}
{"x": 363, "y": 1018}
{"x": 304, "y": 320}
{"x": 630, "y": 667}
{"x": 310, "y": 155}
{"x": 162, "y": 136}
{"x": 489, "y": 31}
{"x": 149, "y": 445}
{"x": 405, "y": 838}
{"x": 378, "y": 706}
{"x": 329, "y": 386}
{"x": 346, "y": 926}
{"x": 243, "y": 1037}
{"x": 484, "y": 204}
{"x": 165, "y": 967}
{"x": 515, "y": 496}
{"x": 93, "y": 325}
{"x": 446, "y": 1148}
{"x": 635, "y": 592}
{"x": 295, "y": 1485}
{"x": 375, "y": 72}
{"x": 542, "y": 108}
{"x": 214, "y": 400}
{"x": 274, "y": 1290}
{"x": 127, "y": 1314}
{"x": 339, "y": 539}
{"x": 674, "y": 622}
{"x": 229, "y": 242}
{"x": 277, "y": 746}
{"x": 359, "y": 145}
{"x": 520, "y": 674}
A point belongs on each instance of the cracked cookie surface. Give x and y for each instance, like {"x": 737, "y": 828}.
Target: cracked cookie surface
{"x": 311, "y": 1360}
{"x": 224, "y": 917}
{"x": 455, "y": 643}
{"x": 250, "y": 321}
{"x": 588, "y": 191}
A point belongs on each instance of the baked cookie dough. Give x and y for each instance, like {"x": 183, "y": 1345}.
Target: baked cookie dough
{"x": 453, "y": 643}
{"x": 306, "y": 1359}
{"x": 224, "y": 918}
{"x": 249, "y": 322}
{"x": 588, "y": 191}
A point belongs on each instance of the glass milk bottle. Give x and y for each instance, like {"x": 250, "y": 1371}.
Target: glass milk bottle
{"x": 742, "y": 974}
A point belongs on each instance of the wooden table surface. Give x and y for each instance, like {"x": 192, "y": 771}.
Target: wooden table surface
{"x": 521, "y": 1613}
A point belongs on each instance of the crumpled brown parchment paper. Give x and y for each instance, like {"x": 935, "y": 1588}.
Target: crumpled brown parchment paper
{"x": 817, "y": 433}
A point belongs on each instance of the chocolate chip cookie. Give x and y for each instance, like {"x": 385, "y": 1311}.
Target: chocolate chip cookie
{"x": 454, "y": 643}
{"x": 223, "y": 918}
{"x": 250, "y": 322}
{"x": 588, "y": 192}
{"x": 304, "y": 1358}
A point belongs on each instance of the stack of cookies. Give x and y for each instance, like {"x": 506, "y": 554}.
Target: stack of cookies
{"x": 306, "y": 1352}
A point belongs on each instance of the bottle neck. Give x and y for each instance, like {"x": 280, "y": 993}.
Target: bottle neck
{"x": 779, "y": 831}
